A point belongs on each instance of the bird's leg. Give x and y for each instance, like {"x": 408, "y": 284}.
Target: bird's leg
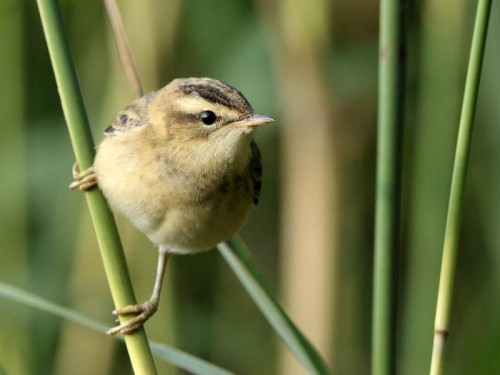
{"x": 148, "y": 308}
{"x": 85, "y": 180}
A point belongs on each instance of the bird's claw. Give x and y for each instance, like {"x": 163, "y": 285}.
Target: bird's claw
{"x": 85, "y": 180}
{"x": 145, "y": 311}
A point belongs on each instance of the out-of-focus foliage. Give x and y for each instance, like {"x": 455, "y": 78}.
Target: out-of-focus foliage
{"x": 46, "y": 239}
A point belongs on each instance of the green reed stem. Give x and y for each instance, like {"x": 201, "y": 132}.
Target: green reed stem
{"x": 455, "y": 206}
{"x": 238, "y": 257}
{"x": 390, "y": 109}
{"x": 174, "y": 356}
{"x": 83, "y": 146}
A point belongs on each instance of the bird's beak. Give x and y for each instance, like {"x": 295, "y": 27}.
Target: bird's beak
{"x": 253, "y": 120}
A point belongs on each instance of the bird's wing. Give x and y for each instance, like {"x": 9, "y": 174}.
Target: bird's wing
{"x": 255, "y": 171}
{"x": 133, "y": 116}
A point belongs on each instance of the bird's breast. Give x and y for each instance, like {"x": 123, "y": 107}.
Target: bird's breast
{"x": 177, "y": 202}
{"x": 205, "y": 211}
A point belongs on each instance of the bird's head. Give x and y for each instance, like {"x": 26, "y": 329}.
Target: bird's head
{"x": 205, "y": 112}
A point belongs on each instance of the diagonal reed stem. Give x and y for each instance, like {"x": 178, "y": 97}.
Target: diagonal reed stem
{"x": 455, "y": 206}
{"x": 390, "y": 110}
{"x": 83, "y": 146}
{"x": 123, "y": 46}
{"x": 238, "y": 257}
{"x": 177, "y": 357}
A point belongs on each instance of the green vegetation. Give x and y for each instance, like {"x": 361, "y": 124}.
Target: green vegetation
{"x": 312, "y": 65}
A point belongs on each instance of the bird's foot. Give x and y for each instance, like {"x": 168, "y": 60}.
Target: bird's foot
{"x": 145, "y": 311}
{"x": 85, "y": 180}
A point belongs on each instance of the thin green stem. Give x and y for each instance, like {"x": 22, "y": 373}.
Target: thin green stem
{"x": 123, "y": 46}
{"x": 83, "y": 146}
{"x": 390, "y": 108}
{"x": 455, "y": 206}
{"x": 177, "y": 357}
{"x": 237, "y": 255}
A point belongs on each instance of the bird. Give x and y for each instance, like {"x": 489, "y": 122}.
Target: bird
{"x": 181, "y": 165}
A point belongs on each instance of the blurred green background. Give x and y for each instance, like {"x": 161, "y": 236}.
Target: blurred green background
{"x": 312, "y": 65}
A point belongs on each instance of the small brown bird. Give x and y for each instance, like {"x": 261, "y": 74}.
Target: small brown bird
{"x": 181, "y": 165}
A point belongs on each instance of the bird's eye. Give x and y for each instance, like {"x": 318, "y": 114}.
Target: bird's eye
{"x": 208, "y": 117}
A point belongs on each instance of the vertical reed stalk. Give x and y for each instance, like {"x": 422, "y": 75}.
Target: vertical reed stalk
{"x": 83, "y": 146}
{"x": 390, "y": 110}
{"x": 455, "y": 206}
